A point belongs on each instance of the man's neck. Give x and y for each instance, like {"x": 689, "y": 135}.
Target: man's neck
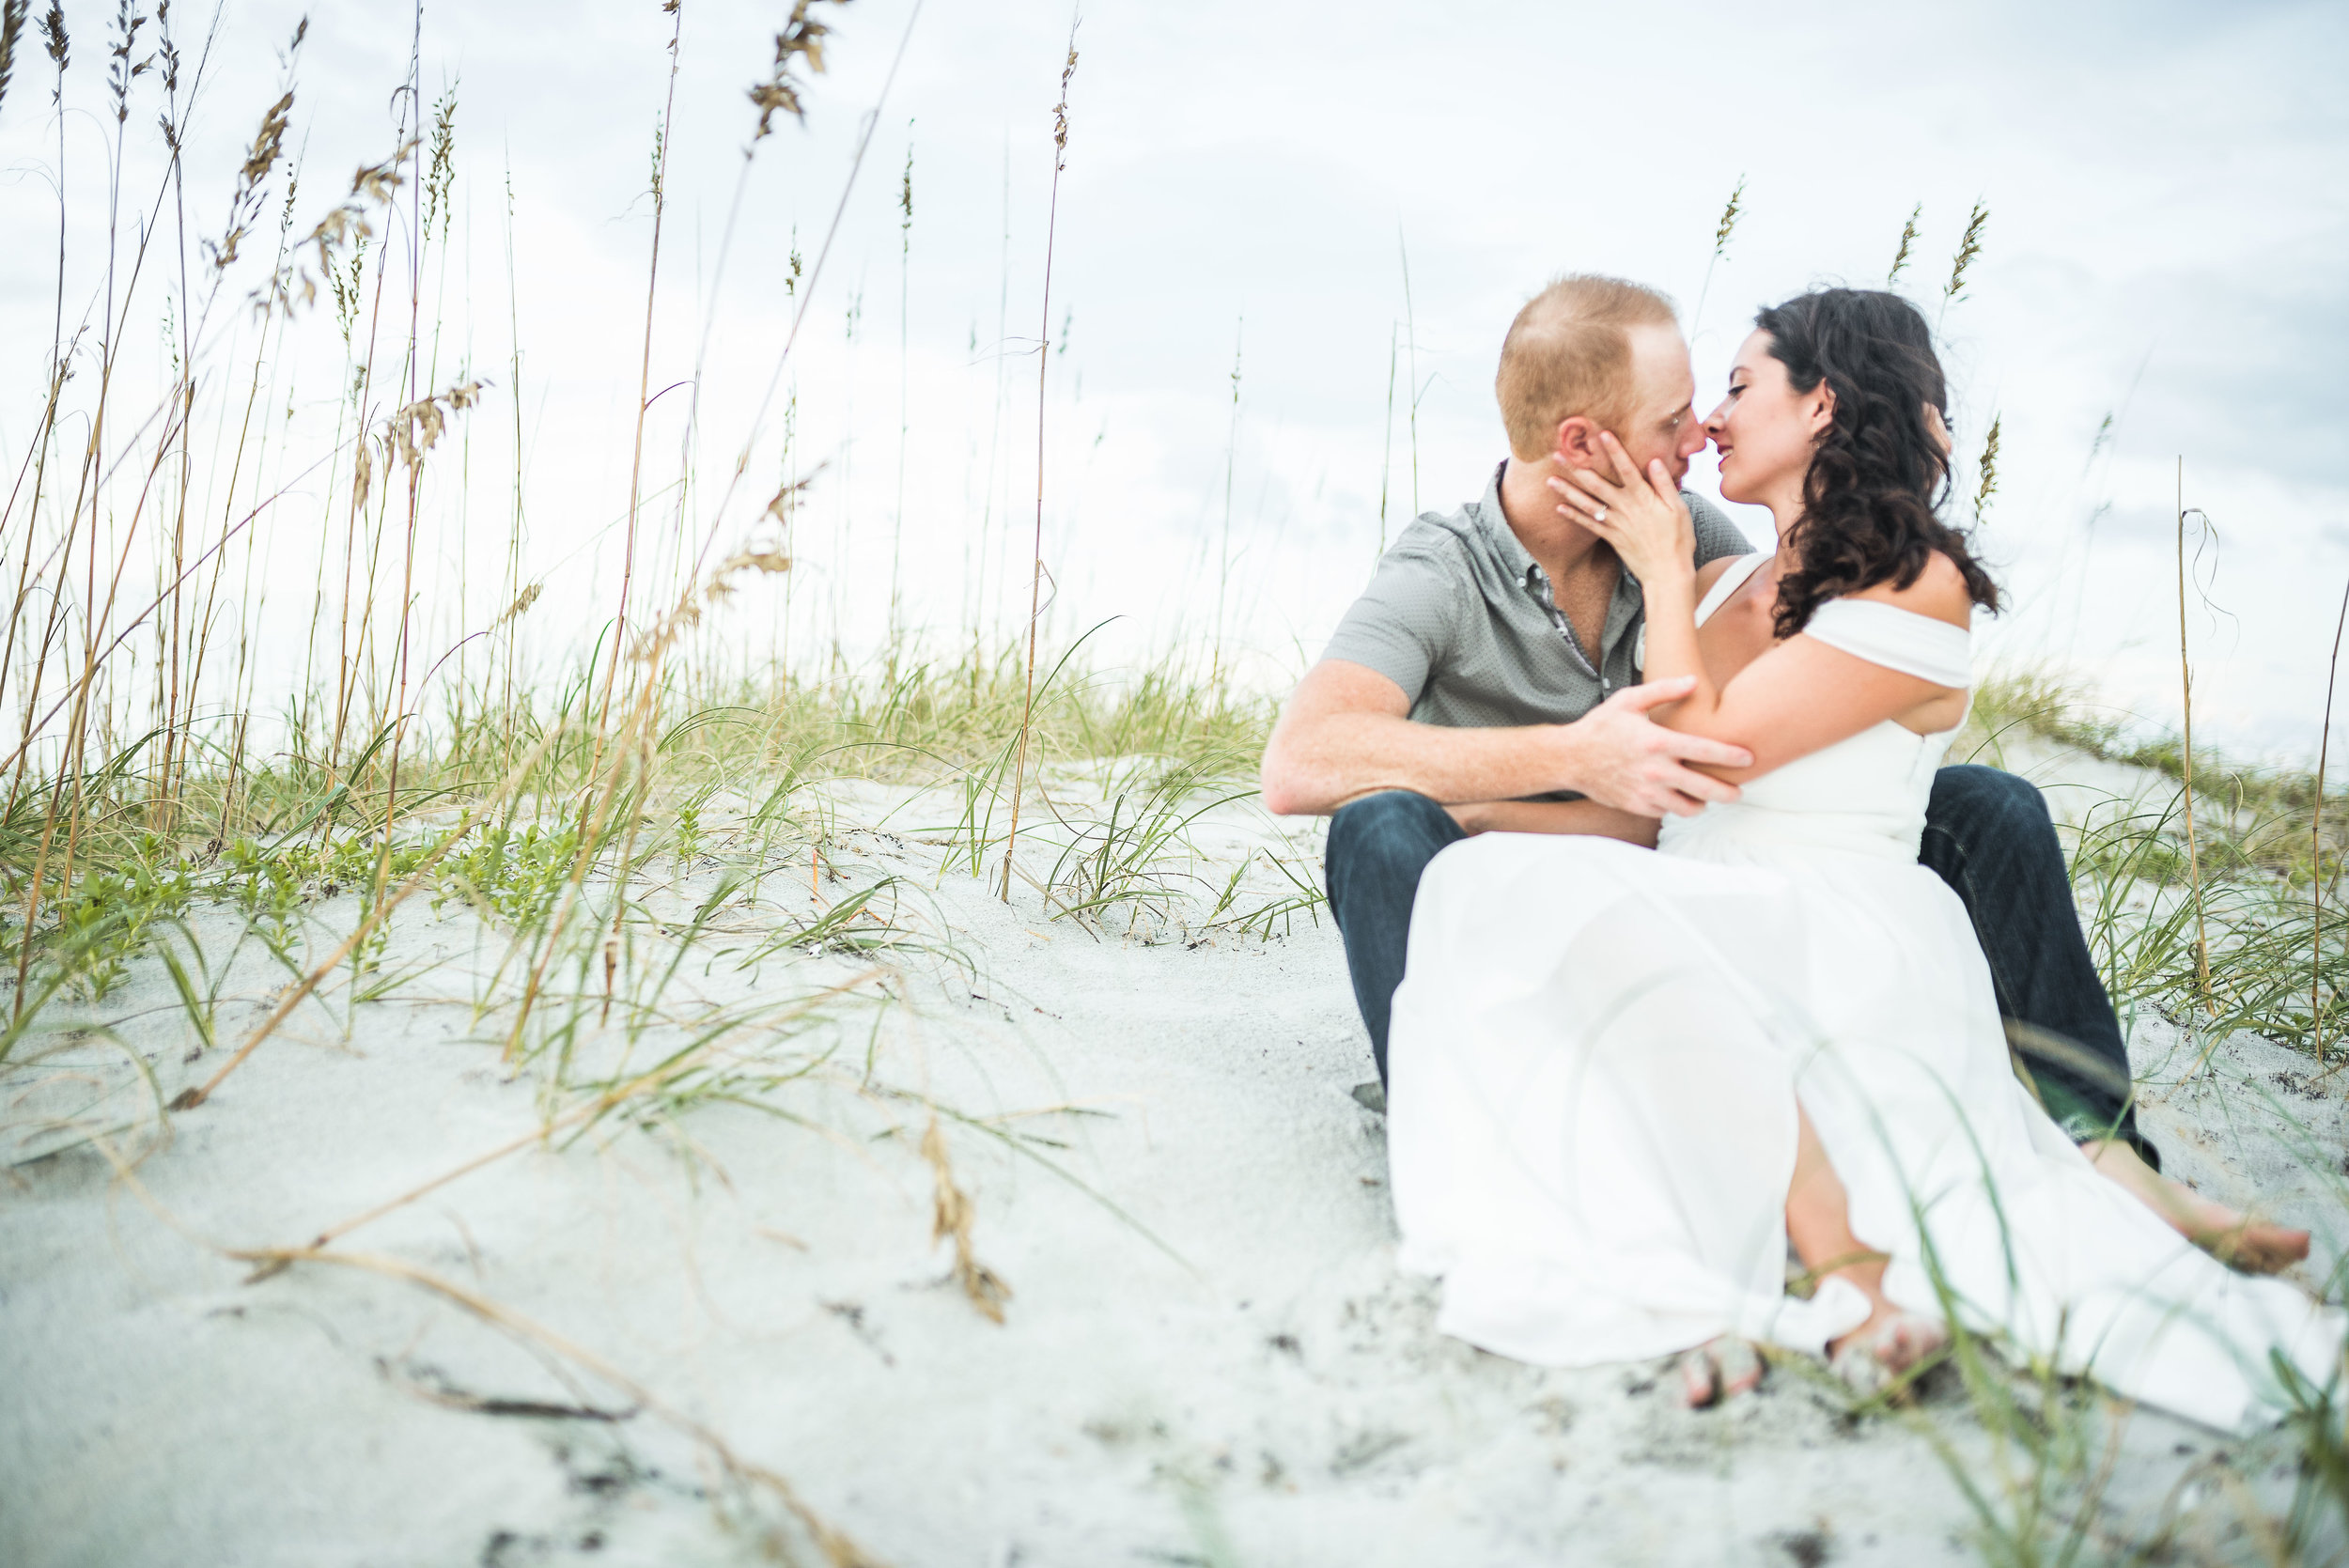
{"x": 1562, "y": 547}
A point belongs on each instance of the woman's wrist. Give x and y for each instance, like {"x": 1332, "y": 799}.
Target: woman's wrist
{"x": 1668, "y": 582}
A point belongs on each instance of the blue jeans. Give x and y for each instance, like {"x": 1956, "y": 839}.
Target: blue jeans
{"x": 1987, "y": 835}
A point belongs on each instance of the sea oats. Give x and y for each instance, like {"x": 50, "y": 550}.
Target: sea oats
{"x": 441, "y": 164}
{"x": 1721, "y": 233}
{"x": 12, "y": 14}
{"x": 245, "y": 205}
{"x": 1728, "y": 226}
{"x": 1987, "y": 486}
{"x": 415, "y": 430}
{"x": 1908, "y": 239}
{"x": 520, "y": 607}
{"x": 344, "y": 224}
{"x": 1968, "y": 249}
{"x": 121, "y": 70}
{"x": 802, "y": 38}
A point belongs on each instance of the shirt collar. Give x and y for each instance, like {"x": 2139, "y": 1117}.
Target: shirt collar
{"x": 1625, "y": 605}
{"x": 1515, "y": 558}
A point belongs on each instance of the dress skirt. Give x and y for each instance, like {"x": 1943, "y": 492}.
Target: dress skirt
{"x": 1595, "y": 1059}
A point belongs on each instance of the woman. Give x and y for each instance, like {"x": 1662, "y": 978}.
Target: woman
{"x": 1624, "y": 1081}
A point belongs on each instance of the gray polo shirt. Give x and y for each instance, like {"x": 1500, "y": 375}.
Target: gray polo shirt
{"x": 1460, "y": 617}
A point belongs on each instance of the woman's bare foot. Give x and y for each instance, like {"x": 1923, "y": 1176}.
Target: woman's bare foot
{"x": 1891, "y": 1344}
{"x": 1719, "y": 1370}
{"x": 1888, "y": 1347}
{"x": 2235, "y": 1238}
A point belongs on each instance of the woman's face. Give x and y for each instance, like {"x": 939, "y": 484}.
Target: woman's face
{"x": 1765, "y": 430}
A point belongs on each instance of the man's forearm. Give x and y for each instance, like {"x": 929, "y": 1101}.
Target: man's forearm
{"x": 1341, "y": 757}
{"x": 1584, "y": 818}
{"x": 1345, "y": 735}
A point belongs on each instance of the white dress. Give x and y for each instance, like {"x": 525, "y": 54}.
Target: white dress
{"x": 1596, "y": 1052}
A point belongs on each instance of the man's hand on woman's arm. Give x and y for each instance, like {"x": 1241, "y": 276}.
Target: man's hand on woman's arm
{"x": 1346, "y": 733}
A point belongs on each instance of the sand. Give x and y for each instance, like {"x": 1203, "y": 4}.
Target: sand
{"x": 1208, "y": 1355}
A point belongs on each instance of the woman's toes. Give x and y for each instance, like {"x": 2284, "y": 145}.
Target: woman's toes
{"x": 2253, "y": 1245}
{"x": 1914, "y": 1340}
{"x": 1719, "y": 1370}
{"x": 1860, "y": 1368}
{"x": 1697, "y": 1387}
{"x": 2269, "y": 1248}
{"x": 1880, "y": 1355}
{"x": 1740, "y": 1367}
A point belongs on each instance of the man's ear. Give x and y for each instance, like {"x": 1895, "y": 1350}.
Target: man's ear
{"x": 1578, "y": 443}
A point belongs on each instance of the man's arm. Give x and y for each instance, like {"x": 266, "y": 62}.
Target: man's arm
{"x": 1345, "y": 733}
{"x": 1586, "y": 818}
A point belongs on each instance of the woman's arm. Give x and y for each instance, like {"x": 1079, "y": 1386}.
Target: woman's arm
{"x": 1802, "y": 695}
{"x": 1649, "y": 527}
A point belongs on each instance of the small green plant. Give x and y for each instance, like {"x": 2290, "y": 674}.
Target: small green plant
{"x": 514, "y": 875}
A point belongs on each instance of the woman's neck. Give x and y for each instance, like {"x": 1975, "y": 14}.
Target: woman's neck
{"x": 1786, "y": 511}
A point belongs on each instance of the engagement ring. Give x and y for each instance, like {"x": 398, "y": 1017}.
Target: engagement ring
{"x": 1600, "y": 514}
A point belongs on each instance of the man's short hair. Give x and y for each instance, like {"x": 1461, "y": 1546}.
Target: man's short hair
{"x": 1569, "y": 352}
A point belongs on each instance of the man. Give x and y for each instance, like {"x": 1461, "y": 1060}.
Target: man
{"x": 1489, "y": 678}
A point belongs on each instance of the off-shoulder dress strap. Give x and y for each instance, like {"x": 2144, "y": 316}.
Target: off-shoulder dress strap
{"x": 1897, "y": 639}
{"x": 1729, "y": 582}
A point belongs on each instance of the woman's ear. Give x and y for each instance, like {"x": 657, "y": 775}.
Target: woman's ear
{"x": 1822, "y": 408}
{"x": 1939, "y": 430}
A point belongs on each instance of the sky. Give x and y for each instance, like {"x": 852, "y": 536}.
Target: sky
{"x": 1283, "y": 248}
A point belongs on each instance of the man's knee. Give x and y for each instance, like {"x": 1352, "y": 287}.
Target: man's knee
{"x": 1386, "y": 837}
{"x": 1970, "y": 800}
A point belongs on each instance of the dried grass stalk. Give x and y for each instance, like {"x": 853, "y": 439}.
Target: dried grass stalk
{"x": 244, "y": 207}
{"x": 802, "y": 36}
{"x": 1043, "y": 367}
{"x": 2193, "y": 849}
{"x": 644, "y": 1084}
{"x": 2316, "y": 846}
{"x": 520, "y": 607}
{"x": 719, "y": 587}
{"x": 343, "y": 227}
{"x": 951, "y": 1219}
{"x": 840, "y": 1550}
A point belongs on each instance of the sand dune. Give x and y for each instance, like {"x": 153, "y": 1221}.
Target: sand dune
{"x": 1205, "y": 1356}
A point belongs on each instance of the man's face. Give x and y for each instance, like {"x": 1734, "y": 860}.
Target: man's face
{"x": 1660, "y": 421}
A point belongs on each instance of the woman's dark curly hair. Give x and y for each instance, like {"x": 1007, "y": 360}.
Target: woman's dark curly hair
{"x": 1870, "y": 504}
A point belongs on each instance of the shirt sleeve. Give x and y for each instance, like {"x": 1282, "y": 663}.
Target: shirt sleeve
{"x": 1402, "y": 626}
{"x": 1716, "y": 536}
